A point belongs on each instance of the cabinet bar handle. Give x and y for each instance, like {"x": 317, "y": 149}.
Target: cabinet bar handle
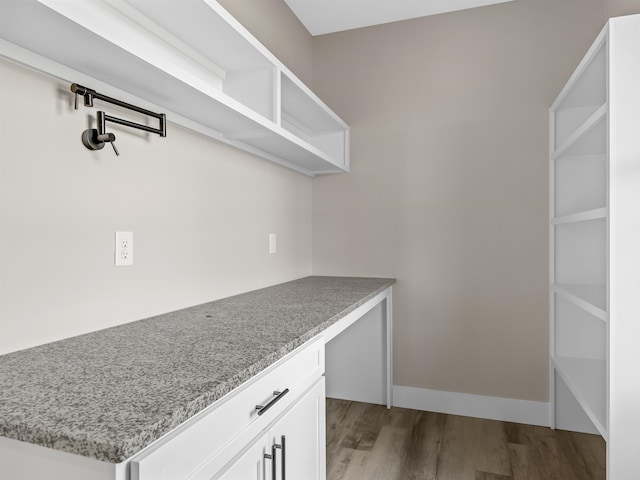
{"x": 273, "y": 464}
{"x": 284, "y": 461}
{"x": 282, "y": 464}
{"x": 272, "y": 457}
{"x": 278, "y": 395}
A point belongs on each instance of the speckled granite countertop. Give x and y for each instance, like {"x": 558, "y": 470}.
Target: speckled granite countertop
{"x": 110, "y": 393}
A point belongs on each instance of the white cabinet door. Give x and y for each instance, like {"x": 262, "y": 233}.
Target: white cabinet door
{"x": 301, "y": 436}
{"x": 294, "y": 446}
{"x": 252, "y": 464}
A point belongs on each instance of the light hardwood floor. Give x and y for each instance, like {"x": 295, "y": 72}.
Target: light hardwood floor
{"x": 369, "y": 442}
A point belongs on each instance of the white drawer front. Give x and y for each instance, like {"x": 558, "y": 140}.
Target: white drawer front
{"x": 212, "y": 469}
{"x": 179, "y": 454}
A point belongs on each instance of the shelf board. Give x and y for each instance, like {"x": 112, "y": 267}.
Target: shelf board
{"x": 567, "y": 120}
{"x": 295, "y": 150}
{"x": 589, "y": 124}
{"x": 592, "y": 298}
{"x": 586, "y": 379}
{"x": 595, "y": 214}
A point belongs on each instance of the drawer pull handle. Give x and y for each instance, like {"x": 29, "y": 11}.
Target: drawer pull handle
{"x": 278, "y": 395}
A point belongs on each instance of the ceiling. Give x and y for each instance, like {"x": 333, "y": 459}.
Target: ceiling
{"x": 328, "y": 16}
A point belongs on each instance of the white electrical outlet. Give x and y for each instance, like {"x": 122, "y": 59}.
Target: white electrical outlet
{"x": 272, "y": 243}
{"x": 124, "y": 249}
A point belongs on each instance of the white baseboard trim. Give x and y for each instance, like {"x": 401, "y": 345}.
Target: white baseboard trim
{"x": 468, "y": 405}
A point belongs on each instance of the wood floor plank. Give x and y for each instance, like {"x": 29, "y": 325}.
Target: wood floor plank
{"x": 533, "y": 452}
{"x": 399, "y": 417}
{"x": 491, "y": 453}
{"x": 578, "y": 466}
{"x": 520, "y": 464}
{"x": 366, "y": 428}
{"x": 386, "y": 457}
{"x": 369, "y": 442}
{"x": 341, "y": 459}
{"x": 490, "y": 476}
{"x": 423, "y": 447}
{"x": 356, "y": 467}
{"x": 593, "y": 450}
{"x": 472, "y": 445}
{"x": 456, "y": 459}
{"x": 340, "y": 417}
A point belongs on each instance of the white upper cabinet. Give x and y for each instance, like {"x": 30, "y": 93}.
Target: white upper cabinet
{"x": 190, "y": 59}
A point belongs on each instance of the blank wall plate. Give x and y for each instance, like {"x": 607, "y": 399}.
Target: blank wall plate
{"x": 124, "y": 249}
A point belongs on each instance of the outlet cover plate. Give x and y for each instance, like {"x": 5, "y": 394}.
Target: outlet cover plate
{"x": 124, "y": 249}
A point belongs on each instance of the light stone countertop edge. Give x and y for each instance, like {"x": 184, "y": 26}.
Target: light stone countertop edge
{"x": 35, "y": 419}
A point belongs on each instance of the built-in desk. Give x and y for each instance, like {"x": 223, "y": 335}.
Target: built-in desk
{"x": 97, "y": 405}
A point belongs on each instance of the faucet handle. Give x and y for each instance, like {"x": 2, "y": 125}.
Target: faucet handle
{"x": 113, "y": 144}
{"x": 111, "y": 138}
{"x": 95, "y": 141}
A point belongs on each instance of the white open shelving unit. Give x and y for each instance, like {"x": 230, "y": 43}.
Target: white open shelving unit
{"x": 190, "y": 59}
{"x": 595, "y": 247}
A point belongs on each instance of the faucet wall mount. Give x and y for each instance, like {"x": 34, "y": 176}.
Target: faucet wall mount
{"x": 95, "y": 138}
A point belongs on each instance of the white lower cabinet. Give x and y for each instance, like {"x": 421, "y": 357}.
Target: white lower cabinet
{"x": 250, "y": 464}
{"x": 292, "y": 448}
{"x": 301, "y": 434}
{"x": 203, "y": 447}
{"x": 272, "y": 427}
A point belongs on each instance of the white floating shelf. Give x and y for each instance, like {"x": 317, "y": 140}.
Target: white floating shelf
{"x": 190, "y": 59}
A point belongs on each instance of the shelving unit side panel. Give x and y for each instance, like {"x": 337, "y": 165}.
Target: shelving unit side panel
{"x": 254, "y": 88}
{"x": 624, "y": 335}
{"x": 332, "y": 144}
{"x": 300, "y": 101}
